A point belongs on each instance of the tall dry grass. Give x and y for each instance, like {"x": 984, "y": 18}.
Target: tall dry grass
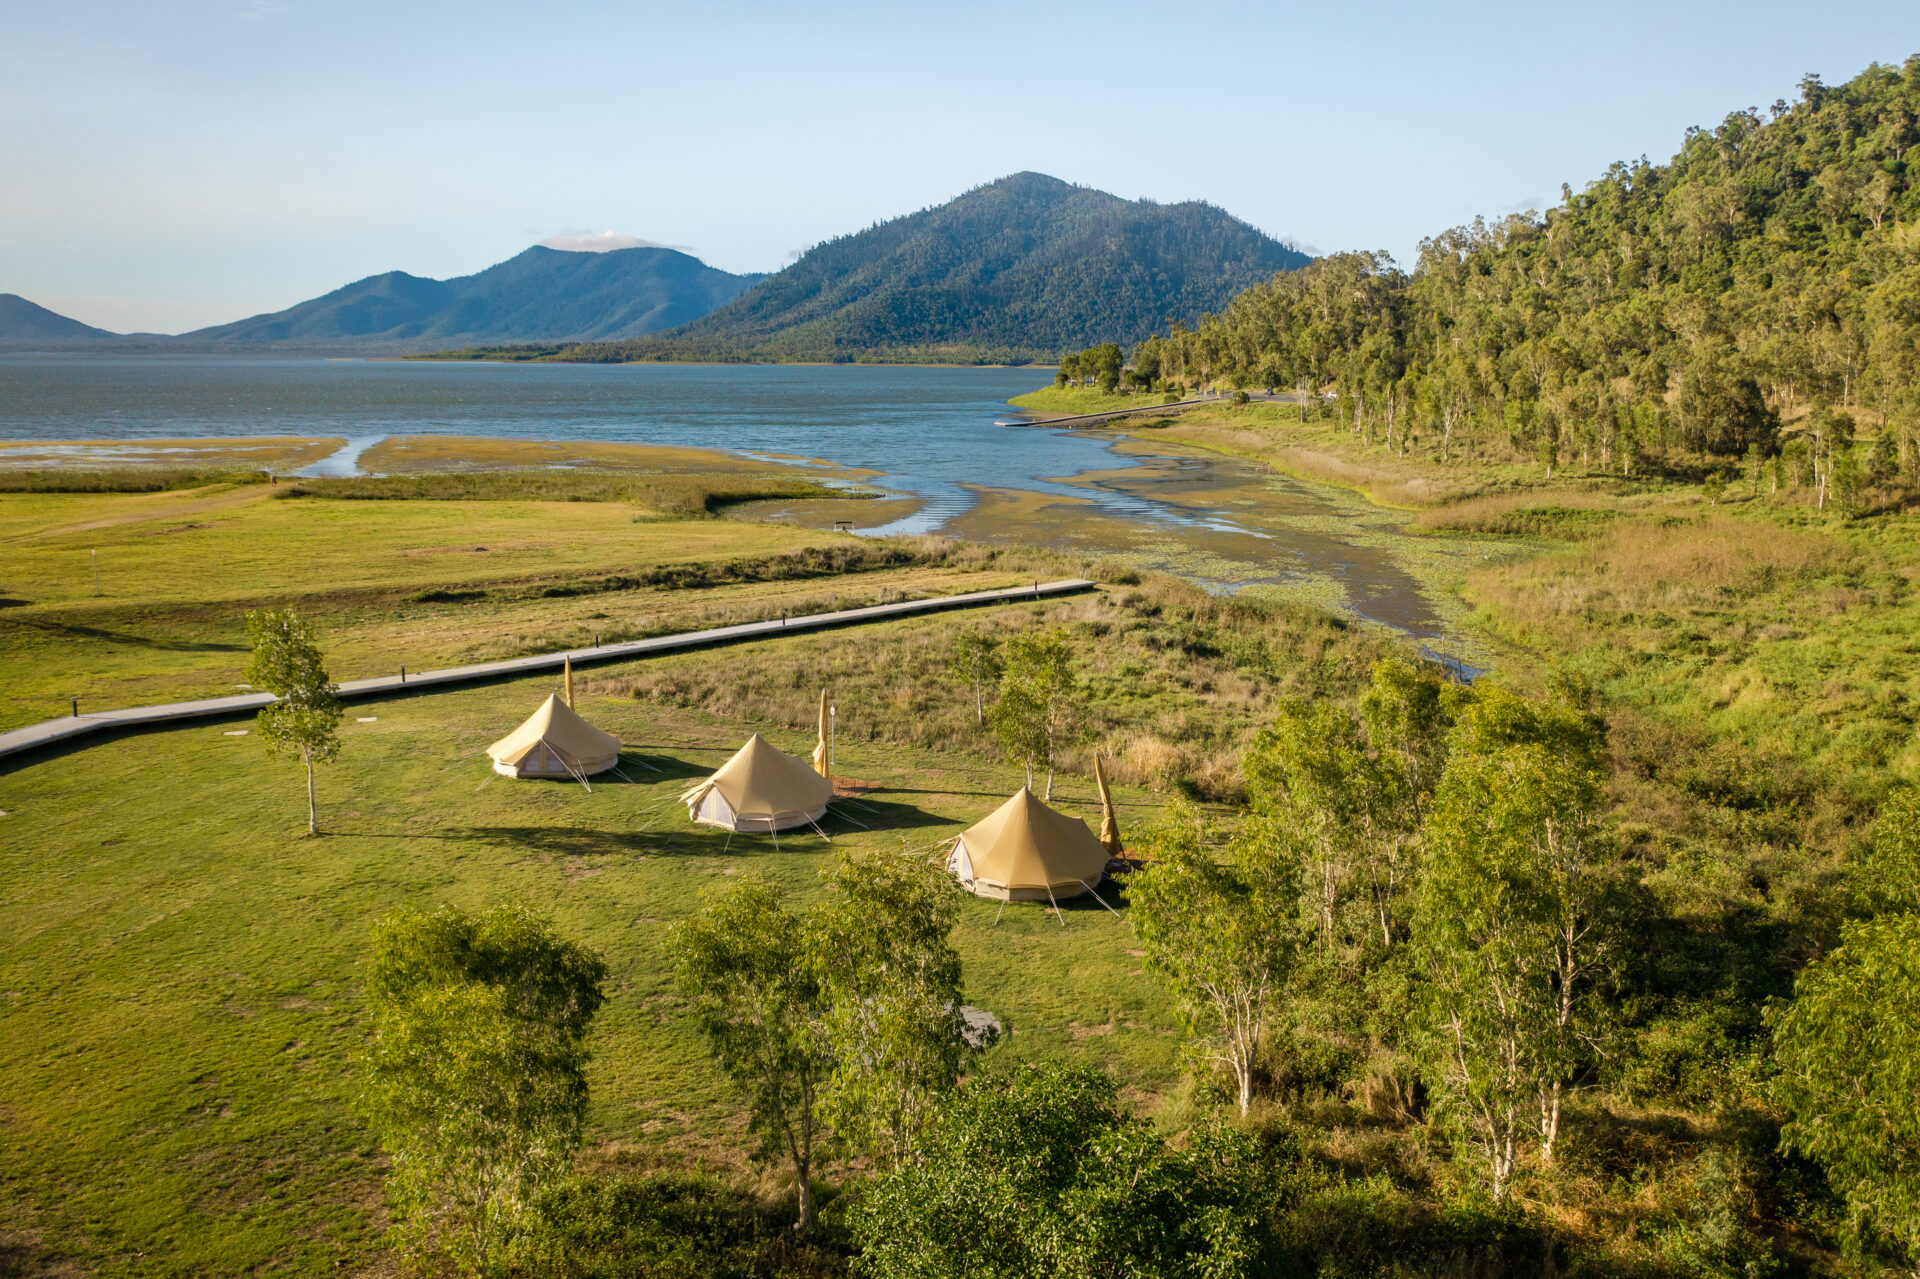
{"x": 1571, "y": 516}
{"x": 1654, "y": 571}
{"x": 667, "y": 495}
{"x": 1176, "y": 681}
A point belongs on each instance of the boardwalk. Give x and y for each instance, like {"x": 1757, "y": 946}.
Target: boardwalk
{"x": 54, "y": 731}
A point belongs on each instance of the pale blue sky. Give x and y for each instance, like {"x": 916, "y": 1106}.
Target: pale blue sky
{"x": 171, "y": 163}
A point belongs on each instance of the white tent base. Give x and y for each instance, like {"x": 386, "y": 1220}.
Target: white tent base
{"x": 1001, "y": 893}
{"x": 543, "y": 761}
{"x": 712, "y": 809}
{"x": 960, "y": 866}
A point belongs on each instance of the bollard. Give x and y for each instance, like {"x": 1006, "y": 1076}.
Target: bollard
{"x": 403, "y": 674}
{"x": 76, "y": 708}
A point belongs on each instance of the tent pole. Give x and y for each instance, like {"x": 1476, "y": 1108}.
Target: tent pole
{"x": 1000, "y": 912}
{"x": 729, "y": 844}
{"x": 1057, "y": 912}
{"x": 1097, "y": 897}
{"x": 776, "y": 835}
{"x": 843, "y": 817}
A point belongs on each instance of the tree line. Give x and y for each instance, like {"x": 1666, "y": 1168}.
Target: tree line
{"x": 1769, "y": 271}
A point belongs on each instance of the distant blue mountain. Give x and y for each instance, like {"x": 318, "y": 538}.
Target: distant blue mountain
{"x": 24, "y": 321}
{"x": 542, "y": 295}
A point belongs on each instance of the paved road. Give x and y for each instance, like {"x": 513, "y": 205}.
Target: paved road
{"x": 36, "y": 736}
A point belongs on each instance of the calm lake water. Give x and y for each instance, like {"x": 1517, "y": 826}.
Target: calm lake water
{"x": 931, "y": 432}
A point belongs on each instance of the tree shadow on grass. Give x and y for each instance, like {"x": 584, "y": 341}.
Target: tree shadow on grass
{"x": 655, "y": 768}
{"x": 880, "y": 815}
{"x": 583, "y": 841}
{"x": 68, "y": 630}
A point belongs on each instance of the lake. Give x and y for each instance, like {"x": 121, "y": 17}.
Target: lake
{"x": 933, "y": 432}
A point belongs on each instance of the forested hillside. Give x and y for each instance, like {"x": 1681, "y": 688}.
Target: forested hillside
{"x": 1769, "y": 270}
{"x": 1019, "y": 269}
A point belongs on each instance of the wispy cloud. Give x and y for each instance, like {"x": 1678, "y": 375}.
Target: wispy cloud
{"x": 604, "y": 241}
{"x": 254, "y": 10}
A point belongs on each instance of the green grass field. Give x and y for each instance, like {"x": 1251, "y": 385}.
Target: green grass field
{"x": 178, "y": 570}
{"x": 179, "y": 997}
{"x": 1067, "y": 400}
{"x": 179, "y": 981}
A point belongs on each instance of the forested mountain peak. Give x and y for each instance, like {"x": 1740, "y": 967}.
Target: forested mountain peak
{"x": 1020, "y": 268}
{"x": 1769, "y": 269}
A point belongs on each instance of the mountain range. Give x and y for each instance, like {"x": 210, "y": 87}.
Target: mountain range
{"x": 26, "y": 321}
{"x": 1020, "y": 269}
{"x": 1023, "y": 268}
{"x": 539, "y": 295}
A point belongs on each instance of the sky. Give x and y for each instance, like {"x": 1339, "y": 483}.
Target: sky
{"x": 168, "y": 164}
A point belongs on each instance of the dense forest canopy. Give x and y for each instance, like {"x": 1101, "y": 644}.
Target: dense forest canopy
{"x": 1768, "y": 275}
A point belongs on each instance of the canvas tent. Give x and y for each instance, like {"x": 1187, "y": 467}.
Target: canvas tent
{"x": 762, "y": 788}
{"x": 555, "y": 742}
{"x": 1024, "y": 851}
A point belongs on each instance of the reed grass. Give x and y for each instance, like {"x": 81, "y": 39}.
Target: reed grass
{"x": 122, "y": 479}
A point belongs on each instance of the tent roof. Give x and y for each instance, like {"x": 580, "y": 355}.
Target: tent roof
{"x": 761, "y": 780}
{"x": 564, "y": 732}
{"x": 1025, "y": 844}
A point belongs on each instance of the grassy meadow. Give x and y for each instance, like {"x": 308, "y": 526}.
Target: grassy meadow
{"x": 179, "y": 999}
{"x": 179, "y": 982}
{"x": 463, "y": 577}
{"x": 179, "y": 989}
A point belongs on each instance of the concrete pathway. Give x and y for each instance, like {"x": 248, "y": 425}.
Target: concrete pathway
{"x": 53, "y": 731}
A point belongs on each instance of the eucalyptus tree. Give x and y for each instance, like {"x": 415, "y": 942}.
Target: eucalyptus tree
{"x": 1038, "y": 711}
{"x": 747, "y": 966}
{"x": 1847, "y": 1048}
{"x": 1221, "y": 933}
{"x": 304, "y": 718}
{"x": 474, "y": 1075}
{"x": 891, "y": 982}
{"x": 1514, "y": 925}
{"x": 1043, "y": 1171}
{"x": 976, "y": 660}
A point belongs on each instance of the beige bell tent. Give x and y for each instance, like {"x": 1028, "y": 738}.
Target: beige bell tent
{"x": 762, "y": 788}
{"x": 1024, "y": 851}
{"x": 555, "y": 742}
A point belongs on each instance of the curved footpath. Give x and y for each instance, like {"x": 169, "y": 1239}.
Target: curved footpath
{"x": 54, "y": 731}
